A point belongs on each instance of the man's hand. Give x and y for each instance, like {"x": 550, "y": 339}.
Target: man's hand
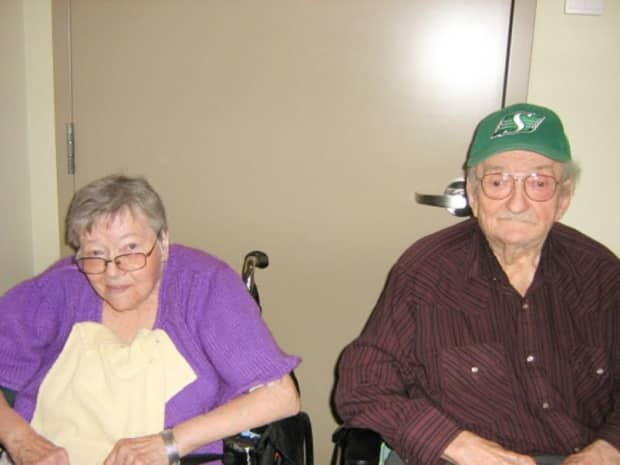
{"x": 146, "y": 450}
{"x": 470, "y": 449}
{"x": 598, "y": 453}
{"x": 29, "y": 448}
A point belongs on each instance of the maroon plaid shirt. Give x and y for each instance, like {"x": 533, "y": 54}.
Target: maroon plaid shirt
{"x": 451, "y": 346}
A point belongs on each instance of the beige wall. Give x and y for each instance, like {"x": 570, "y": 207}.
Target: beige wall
{"x": 40, "y": 127}
{"x": 28, "y": 164}
{"x": 575, "y": 69}
{"x": 16, "y": 243}
{"x": 575, "y": 62}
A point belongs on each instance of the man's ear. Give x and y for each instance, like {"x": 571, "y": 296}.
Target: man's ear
{"x": 567, "y": 188}
{"x": 472, "y": 192}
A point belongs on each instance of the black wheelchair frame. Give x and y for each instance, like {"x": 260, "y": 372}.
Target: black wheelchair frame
{"x": 284, "y": 442}
{"x": 287, "y": 441}
{"x": 358, "y": 446}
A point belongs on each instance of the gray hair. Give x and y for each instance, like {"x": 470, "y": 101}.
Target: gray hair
{"x": 107, "y": 197}
{"x": 570, "y": 172}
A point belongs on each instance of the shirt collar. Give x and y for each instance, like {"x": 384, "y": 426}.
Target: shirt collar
{"x": 486, "y": 267}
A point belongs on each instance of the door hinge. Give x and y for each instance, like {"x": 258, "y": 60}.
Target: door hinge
{"x": 70, "y": 148}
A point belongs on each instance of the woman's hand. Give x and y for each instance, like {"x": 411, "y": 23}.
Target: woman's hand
{"x": 470, "y": 449}
{"x": 145, "y": 450}
{"x": 24, "y": 444}
{"x": 30, "y": 448}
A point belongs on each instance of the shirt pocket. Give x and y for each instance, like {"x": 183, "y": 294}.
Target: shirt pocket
{"x": 477, "y": 384}
{"x": 592, "y": 383}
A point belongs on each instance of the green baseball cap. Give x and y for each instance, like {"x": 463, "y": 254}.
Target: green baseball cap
{"x": 521, "y": 126}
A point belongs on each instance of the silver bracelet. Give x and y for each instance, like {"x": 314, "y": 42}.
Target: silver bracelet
{"x": 171, "y": 447}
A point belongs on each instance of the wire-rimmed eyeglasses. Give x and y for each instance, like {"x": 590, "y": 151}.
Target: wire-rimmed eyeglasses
{"x": 537, "y": 187}
{"x": 126, "y": 262}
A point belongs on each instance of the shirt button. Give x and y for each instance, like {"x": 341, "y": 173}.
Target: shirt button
{"x": 475, "y": 369}
{"x": 525, "y": 306}
{"x": 600, "y": 371}
{"x": 529, "y": 359}
{"x": 545, "y": 405}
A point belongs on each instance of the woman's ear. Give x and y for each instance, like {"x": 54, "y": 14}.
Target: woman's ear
{"x": 164, "y": 245}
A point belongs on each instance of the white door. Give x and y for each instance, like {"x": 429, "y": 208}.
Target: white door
{"x": 298, "y": 127}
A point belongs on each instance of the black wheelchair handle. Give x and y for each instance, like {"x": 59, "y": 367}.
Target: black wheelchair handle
{"x": 253, "y": 260}
{"x": 258, "y": 258}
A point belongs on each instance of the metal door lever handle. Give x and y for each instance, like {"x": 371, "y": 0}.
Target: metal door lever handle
{"x": 445, "y": 201}
{"x": 454, "y": 198}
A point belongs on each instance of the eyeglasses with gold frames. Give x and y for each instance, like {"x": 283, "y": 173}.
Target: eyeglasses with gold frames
{"x": 126, "y": 262}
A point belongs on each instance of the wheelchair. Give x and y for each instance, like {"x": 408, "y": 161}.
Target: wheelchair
{"x": 284, "y": 442}
{"x": 360, "y": 446}
{"x": 356, "y": 446}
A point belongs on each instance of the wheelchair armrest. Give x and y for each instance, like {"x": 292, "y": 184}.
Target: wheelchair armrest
{"x": 358, "y": 446}
{"x": 9, "y": 395}
{"x": 285, "y": 441}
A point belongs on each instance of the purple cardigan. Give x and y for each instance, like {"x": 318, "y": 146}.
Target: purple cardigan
{"x": 203, "y": 307}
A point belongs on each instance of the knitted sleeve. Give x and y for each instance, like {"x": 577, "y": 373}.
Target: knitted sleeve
{"x": 31, "y": 316}
{"x": 234, "y": 336}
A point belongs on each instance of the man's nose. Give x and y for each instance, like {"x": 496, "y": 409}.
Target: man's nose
{"x": 518, "y": 201}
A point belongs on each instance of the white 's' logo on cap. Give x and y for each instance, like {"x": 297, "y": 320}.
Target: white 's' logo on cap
{"x": 517, "y": 123}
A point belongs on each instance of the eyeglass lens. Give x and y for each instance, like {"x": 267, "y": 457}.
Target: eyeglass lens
{"x": 129, "y": 262}
{"x": 125, "y": 262}
{"x": 538, "y": 187}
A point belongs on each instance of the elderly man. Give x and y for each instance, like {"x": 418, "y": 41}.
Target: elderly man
{"x": 496, "y": 340}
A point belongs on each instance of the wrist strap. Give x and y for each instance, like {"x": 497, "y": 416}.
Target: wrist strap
{"x": 171, "y": 447}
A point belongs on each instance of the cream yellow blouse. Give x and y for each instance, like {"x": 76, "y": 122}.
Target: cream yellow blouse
{"x": 102, "y": 390}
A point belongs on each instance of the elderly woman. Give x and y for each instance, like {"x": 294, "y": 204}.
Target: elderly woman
{"x": 135, "y": 351}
